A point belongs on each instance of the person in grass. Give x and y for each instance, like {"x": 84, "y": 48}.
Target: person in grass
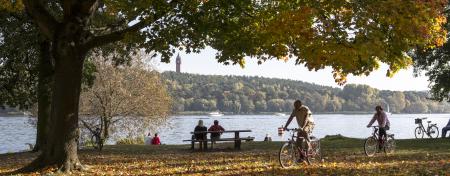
{"x": 148, "y": 139}
{"x": 155, "y": 140}
{"x": 445, "y": 129}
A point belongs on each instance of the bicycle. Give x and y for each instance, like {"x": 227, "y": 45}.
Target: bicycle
{"x": 430, "y": 131}
{"x": 372, "y": 144}
{"x": 97, "y": 141}
{"x": 290, "y": 154}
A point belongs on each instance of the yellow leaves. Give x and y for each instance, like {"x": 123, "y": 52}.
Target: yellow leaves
{"x": 342, "y": 157}
{"x": 339, "y": 77}
{"x": 11, "y": 5}
{"x": 283, "y": 58}
{"x": 353, "y": 36}
{"x": 241, "y": 62}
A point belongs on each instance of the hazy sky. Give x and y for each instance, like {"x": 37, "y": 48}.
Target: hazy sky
{"x": 205, "y": 63}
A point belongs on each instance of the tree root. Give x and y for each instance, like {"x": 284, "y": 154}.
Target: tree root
{"x": 34, "y": 166}
{"x": 69, "y": 166}
{"x": 39, "y": 164}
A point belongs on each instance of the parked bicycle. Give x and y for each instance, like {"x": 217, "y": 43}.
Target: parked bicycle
{"x": 290, "y": 154}
{"x": 372, "y": 144}
{"x": 432, "y": 131}
{"x": 97, "y": 141}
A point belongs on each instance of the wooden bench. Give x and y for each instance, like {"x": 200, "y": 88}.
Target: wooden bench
{"x": 203, "y": 144}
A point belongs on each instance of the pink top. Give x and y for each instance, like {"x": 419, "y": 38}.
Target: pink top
{"x": 381, "y": 119}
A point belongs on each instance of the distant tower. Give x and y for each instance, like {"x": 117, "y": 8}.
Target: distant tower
{"x": 178, "y": 63}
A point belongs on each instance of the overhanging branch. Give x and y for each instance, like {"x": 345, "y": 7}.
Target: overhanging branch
{"x": 119, "y": 35}
{"x": 114, "y": 36}
{"x": 46, "y": 22}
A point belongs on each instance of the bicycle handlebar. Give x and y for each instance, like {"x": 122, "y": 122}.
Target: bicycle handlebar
{"x": 293, "y": 129}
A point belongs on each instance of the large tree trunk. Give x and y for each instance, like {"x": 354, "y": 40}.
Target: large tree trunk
{"x": 61, "y": 147}
{"x": 44, "y": 94}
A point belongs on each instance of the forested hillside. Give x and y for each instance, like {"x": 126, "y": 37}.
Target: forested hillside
{"x": 242, "y": 94}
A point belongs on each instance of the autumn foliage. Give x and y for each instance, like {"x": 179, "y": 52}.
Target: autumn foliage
{"x": 352, "y": 37}
{"x": 342, "y": 156}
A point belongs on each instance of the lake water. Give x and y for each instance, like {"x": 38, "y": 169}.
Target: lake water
{"x": 15, "y": 132}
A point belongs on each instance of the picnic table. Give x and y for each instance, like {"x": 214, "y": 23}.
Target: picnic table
{"x": 237, "y": 139}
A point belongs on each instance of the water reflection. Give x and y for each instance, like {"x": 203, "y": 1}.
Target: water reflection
{"x": 15, "y": 132}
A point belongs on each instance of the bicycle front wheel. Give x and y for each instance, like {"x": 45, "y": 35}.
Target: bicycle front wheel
{"x": 288, "y": 155}
{"x": 370, "y": 146}
{"x": 389, "y": 145}
{"x": 418, "y": 133}
{"x": 433, "y": 132}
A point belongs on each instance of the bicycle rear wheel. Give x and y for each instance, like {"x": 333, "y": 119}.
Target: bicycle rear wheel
{"x": 370, "y": 146}
{"x": 288, "y": 155}
{"x": 315, "y": 153}
{"x": 389, "y": 145}
{"x": 433, "y": 132}
{"x": 94, "y": 142}
{"x": 418, "y": 133}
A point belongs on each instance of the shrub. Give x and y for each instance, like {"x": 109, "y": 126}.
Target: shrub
{"x": 136, "y": 140}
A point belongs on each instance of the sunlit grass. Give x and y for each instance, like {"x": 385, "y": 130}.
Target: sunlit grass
{"x": 342, "y": 156}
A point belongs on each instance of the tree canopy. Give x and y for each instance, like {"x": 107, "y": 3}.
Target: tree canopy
{"x": 19, "y": 53}
{"x": 352, "y": 37}
{"x": 436, "y": 64}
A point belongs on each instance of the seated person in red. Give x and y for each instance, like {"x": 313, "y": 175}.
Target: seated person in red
{"x": 216, "y": 127}
{"x": 155, "y": 140}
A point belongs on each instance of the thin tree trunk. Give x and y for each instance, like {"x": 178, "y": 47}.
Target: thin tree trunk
{"x": 105, "y": 131}
{"x": 44, "y": 94}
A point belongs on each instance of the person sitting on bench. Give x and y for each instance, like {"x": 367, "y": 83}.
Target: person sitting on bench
{"x": 445, "y": 129}
{"x": 216, "y": 127}
{"x": 200, "y": 128}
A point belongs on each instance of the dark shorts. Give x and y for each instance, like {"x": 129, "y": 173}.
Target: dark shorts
{"x": 382, "y": 132}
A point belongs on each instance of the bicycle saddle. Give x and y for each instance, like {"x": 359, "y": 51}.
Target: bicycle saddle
{"x": 390, "y": 135}
{"x": 429, "y": 121}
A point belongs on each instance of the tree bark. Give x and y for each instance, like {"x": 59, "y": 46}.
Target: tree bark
{"x": 60, "y": 149}
{"x": 45, "y": 80}
{"x": 106, "y": 128}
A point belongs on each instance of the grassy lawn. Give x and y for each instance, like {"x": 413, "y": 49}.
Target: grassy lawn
{"x": 342, "y": 156}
